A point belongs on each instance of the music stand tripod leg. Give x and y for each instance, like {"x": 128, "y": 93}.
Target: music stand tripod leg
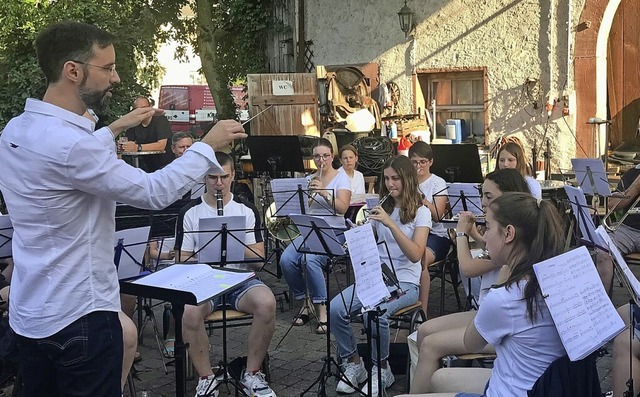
{"x": 374, "y": 316}
{"x": 326, "y": 371}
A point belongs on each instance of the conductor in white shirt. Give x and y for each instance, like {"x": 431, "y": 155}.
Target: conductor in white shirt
{"x": 64, "y": 298}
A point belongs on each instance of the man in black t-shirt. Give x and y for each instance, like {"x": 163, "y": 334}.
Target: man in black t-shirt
{"x": 153, "y": 134}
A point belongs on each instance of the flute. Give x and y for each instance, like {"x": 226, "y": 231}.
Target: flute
{"x": 319, "y": 177}
{"x": 382, "y": 200}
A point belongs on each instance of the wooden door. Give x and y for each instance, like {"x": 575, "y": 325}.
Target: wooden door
{"x": 288, "y": 101}
{"x": 624, "y": 73}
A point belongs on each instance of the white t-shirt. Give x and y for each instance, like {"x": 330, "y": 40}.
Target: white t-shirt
{"x": 534, "y": 187}
{"x": 357, "y": 182}
{"x": 435, "y": 185}
{"x": 524, "y": 351}
{"x": 191, "y": 223}
{"x": 486, "y": 281}
{"x": 407, "y": 271}
{"x": 320, "y": 205}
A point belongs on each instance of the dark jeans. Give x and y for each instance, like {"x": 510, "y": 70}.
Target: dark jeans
{"x": 83, "y": 359}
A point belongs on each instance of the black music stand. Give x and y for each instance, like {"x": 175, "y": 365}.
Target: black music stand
{"x": 162, "y": 285}
{"x": 584, "y": 220}
{"x": 6, "y": 235}
{"x": 320, "y": 239}
{"x": 462, "y": 197}
{"x": 275, "y": 153}
{"x": 633, "y": 286}
{"x": 457, "y": 163}
{"x": 221, "y": 236}
{"x": 373, "y": 311}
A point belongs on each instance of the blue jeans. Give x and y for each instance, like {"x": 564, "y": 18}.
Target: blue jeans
{"x": 341, "y": 324}
{"x": 292, "y": 263}
{"x": 83, "y": 359}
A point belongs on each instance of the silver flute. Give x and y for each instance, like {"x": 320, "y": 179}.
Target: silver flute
{"x": 382, "y": 200}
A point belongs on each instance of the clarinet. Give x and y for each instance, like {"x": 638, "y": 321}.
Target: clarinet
{"x": 219, "y": 202}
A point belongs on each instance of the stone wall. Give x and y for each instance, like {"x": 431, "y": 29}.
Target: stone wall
{"x": 514, "y": 40}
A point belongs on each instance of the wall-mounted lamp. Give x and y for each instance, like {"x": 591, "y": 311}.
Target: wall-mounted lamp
{"x": 407, "y": 24}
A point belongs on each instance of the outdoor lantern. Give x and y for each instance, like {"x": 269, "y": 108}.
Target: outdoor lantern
{"x": 406, "y": 19}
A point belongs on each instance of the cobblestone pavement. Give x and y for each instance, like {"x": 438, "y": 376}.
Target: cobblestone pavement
{"x": 296, "y": 361}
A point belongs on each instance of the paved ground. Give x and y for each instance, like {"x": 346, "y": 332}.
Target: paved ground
{"x": 297, "y": 361}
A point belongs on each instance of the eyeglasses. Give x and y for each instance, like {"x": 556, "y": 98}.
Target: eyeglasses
{"x": 321, "y": 156}
{"x": 421, "y": 163}
{"x": 221, "y": 178}
{"x": 111, "y": 69}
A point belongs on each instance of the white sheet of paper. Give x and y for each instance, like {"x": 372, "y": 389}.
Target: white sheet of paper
{"x": 583, "y": 215}
{"x": 6, "y": 234}
{"x": 634, "y": 284}
{"x": 597, "y": 182}
{"x": 365, "y": 259}
{"x": 209, "y": 234}
{"x": 199, "y": 279}
{"x": 283, "y": 189}
{"x": 471, "y": 194}
{"x": 135, "y": 243}
{"x": 580, "y": 307}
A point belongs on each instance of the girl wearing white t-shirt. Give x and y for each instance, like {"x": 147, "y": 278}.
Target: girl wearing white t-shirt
{"x": 520, "y": 231}
{"x": 349, "y": 161}
{"x": 403, "y": 223}
{"x": 440, "y": 337}
{"x": 331, "y": 190}
{"x": 511, "y": 155}
{"x": 434, "y": 198}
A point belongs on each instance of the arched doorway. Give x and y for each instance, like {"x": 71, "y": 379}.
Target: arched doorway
{"x": 607, "y": 69}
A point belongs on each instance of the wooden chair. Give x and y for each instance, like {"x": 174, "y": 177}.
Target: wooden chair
{"x": 408, "y": 318}
{"x": 370, "y": 183}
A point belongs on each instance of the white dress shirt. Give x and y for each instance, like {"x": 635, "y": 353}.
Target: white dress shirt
{"x": 61, "y": 181}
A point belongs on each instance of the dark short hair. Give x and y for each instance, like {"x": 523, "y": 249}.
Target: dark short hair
{"x": 180, "y": 135}
{"x": 421, "y": 149}
{"x": 68, "y": 41}
{"x": 508, "y": 180}
{"x": 225, "y": 159}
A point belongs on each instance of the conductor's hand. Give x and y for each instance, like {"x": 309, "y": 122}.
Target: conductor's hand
{"x": 465, "y": 222}
{"x": 223, "y": 133}
{"x": 379, "y": 214}
{"x": 133, "y": 118}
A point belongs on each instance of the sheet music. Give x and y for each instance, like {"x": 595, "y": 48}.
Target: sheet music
{"x": 580, "y": 307}
{"x": 632, "y": 280}
{"x": 471, "y": 194}
{"x": 286, "y": 198}
{"x": 210, "y": 238}
{"x": 312, "y": 243}
{"x": 134, "y": 245}
{"x": 363, "y": 250}
{"x": 6, "y": 234}
{"x": 199, "y": 279}
{"x": 591, "y": 176}
{"x": 583, "y": 216}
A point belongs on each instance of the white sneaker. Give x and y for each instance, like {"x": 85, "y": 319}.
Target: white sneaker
{"x": 354, "y": 374}
{"x": 255, "y": 385}
{"x": 207, "y": 387}
{"x": 387, "y": 381}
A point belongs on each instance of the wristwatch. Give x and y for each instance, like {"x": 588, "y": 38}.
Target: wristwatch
{"x": 462, "y": 234}
{"x": 139, "y": 147}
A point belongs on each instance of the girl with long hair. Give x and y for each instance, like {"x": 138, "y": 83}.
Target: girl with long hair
{"x": 511, "y": 155}
{"x": 403, "y": 223}
{"x": 514, "y": 318}
{"x": 440, "y": 336}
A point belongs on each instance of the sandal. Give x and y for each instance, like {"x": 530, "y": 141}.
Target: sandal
{"x": 302, "y": 317}
{"x": 322, "y": 328}
{"x": 169, "y": 346}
